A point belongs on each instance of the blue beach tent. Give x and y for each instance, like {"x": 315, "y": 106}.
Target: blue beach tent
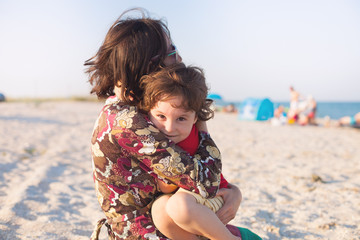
{"x": 2, "y": 97}
{"x": 256, "y": 109}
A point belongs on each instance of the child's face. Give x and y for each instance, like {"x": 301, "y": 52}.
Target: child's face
{"x": 175, "y": 123}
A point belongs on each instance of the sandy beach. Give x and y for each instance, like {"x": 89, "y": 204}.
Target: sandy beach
{"x": 297, "y": 182}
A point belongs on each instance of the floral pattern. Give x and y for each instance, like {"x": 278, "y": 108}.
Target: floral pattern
{"x": 128, "y": 155}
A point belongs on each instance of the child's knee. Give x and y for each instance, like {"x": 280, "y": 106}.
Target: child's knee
{"x": 158, "y": 212}
{"x": 181, "y": 206}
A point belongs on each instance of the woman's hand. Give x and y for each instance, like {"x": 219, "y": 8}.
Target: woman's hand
{"x": 232, "y": 198}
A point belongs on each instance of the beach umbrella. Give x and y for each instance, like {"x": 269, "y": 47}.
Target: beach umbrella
{"x": 214, "y": 96}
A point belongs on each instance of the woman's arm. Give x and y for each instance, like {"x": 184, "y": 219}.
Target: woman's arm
{"x": 231, "y": 195}
{"x": 232, "y": 198}
{"x": 202, "y": 126}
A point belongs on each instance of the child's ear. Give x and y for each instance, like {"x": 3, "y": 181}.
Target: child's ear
{"x": 195, "y": 119}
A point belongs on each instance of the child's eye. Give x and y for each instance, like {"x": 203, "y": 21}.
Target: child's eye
{"x": 161, "y": 116}
{"x": 182, "y": 119}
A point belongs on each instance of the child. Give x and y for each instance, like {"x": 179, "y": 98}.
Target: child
{"x": 175, "y": 99}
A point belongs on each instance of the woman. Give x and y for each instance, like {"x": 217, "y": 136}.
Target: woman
{"x": 129, "y": 153}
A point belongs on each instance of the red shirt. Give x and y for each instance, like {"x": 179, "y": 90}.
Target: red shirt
{"x": 191, "y": 143}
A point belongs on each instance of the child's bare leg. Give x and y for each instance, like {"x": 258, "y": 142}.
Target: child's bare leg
{"x": 196, "y": 218}
{"x": 165, "y": 224}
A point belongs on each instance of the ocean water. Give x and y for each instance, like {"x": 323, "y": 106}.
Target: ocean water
{"x": 334, "y": 110}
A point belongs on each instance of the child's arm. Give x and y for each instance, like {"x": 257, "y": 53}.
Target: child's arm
{"x": 166, "y": 188}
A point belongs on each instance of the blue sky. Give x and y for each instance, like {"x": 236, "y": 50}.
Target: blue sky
{"x": 253, "y": 48}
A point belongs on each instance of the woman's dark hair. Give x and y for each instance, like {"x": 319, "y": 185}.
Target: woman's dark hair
{"x": 132, "y": 48}
{"x": 177, "y": 80}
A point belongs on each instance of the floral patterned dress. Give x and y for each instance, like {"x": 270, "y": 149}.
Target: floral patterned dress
{"x": 128, "y": 155}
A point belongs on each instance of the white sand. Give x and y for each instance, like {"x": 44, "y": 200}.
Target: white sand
{"x": 297, "y": 182}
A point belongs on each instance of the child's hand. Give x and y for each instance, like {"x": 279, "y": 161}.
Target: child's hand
{"x": 166, "y": 188}
{"x": 232, "y": 198}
